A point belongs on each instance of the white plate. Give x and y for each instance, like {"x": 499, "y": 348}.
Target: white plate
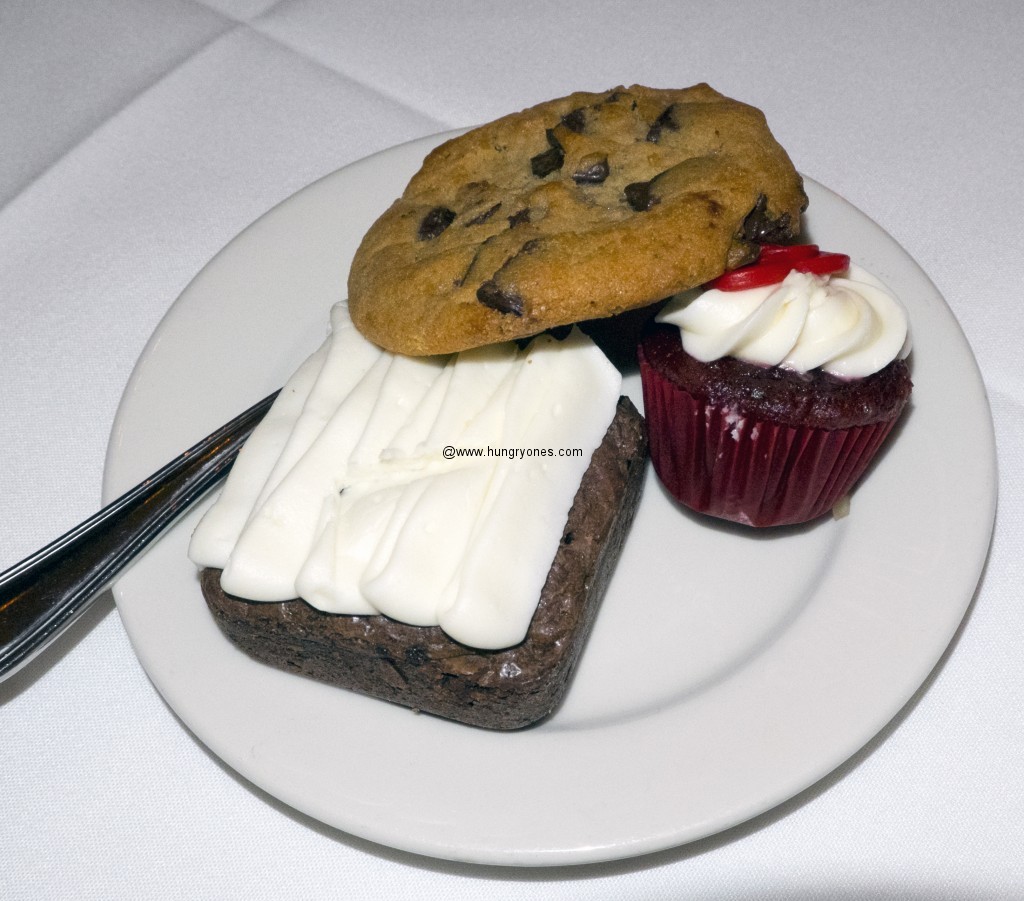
{"x": 728, "y": 670}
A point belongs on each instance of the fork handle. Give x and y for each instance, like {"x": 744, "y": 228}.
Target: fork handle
{"x": 43, "y": 594}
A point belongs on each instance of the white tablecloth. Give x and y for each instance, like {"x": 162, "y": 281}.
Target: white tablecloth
{"x": 138, "y": 138}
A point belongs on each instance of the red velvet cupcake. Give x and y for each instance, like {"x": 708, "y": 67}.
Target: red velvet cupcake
{"x": 768, "y": 394}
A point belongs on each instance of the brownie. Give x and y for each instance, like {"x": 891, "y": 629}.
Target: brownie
{"x": 421, "y": 667}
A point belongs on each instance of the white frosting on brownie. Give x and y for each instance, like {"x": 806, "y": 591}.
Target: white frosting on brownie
{"x": 431, "y": 489}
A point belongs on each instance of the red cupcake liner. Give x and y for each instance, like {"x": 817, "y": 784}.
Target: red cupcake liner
{"x": 715, "y": 460}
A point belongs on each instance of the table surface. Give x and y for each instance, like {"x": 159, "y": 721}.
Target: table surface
{"x": 140, "y": 138}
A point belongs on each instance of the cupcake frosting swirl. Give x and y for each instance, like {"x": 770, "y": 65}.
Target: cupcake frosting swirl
{"x": 850, "y": 325}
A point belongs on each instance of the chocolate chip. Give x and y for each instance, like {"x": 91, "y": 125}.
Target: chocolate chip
{"x": 435, "y": 222}
{"x": 760, "y": 227}
{"x": 520, "y": 217}
{"x": 638, "y": 195}
{"x": 593, "y": 169}
{"x": 756, "y": 219}
{"x": 481, "y": 218}
{"x": 547, "y": 162}
{"x": 490, "y": 294}
{"x": 550, "y": 160}
{"x": 575, "y": 121}
{"x": 665, "y": 120}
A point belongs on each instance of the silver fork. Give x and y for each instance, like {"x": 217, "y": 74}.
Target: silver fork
{"x": 43, "y": 594}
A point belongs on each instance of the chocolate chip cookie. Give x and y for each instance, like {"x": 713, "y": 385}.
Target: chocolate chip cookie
{"x": 578, "y": 208}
